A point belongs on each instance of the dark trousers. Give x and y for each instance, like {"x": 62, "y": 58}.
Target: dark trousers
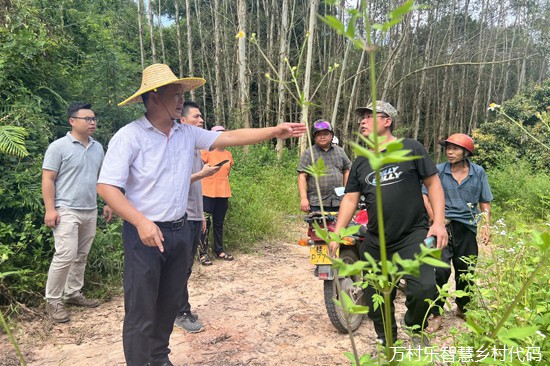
{"x": 196, "y": 228}
{"x": 462, "y": 243}
{"x": 153, "y": 289}
{"x": 418, "y": 289}
{"x": 215, "y": 209}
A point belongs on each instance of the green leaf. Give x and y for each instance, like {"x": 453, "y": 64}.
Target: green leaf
{"x": 6, "y": 274}
{"x": 347, "y": 231}
{"x": 359, "y": 309}
{"x": 405, "y": 8}
{"x": 320, "y": 232}
{"x": 317, "y": 169}
{"x": 372, "y": 262}
{"x": 334, "y": 23}
{"x": 359, "y": 44}
{"x": 345, "y": 269}
{"x": 12, "y": 140}
{"x": 521, "y": 333}
{"x": 460, "y": 293}
{"x": 377, "y": 300}
{"x": 434, "y": 262}
{"x": 470, "y": 323}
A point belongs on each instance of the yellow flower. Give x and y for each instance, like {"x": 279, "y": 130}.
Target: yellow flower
{"x": 493, "y": 107}
{"x": 240, "y": 35}
{"x": 267, "y": 75}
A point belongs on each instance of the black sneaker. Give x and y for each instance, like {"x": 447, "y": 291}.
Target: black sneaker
{"x": 188, "y": 322}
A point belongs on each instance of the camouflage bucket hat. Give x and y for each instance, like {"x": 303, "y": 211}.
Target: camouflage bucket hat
{"x": 381, "y": 107}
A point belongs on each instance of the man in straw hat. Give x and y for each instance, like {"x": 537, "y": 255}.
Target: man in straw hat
{"x": 151, "y": 160}
{"x": 405, "y": 219}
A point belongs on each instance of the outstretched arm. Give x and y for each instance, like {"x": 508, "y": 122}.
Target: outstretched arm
{"x": 249, "y": 136}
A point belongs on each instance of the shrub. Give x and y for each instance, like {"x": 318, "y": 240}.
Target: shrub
{"x": 264, "y": 195}
{"x": 520, "y": 191}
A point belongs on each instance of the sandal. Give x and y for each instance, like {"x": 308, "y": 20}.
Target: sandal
{"x": 434, "y": 324}
{"x": 205, "y": 260}
{"x": 225, "y": 256}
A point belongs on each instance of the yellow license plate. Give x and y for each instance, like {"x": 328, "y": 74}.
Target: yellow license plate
{"x": 318, "y": 254}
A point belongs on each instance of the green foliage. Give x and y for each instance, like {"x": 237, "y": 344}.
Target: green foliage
{"x": 501, "y": 141}
{"x": 512, "y": 278}
{"x": 12, "y": 140}
{"x": 264, "y": 196}
{"x": 106, "y": 259}
{"x": 520, "y": 191}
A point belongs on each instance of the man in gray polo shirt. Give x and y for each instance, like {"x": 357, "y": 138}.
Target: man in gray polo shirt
{"x": 69, "y": 175}
{"x": 192, "y": 115}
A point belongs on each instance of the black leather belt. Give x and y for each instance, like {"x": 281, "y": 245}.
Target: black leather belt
{"x": 172, "y": 225}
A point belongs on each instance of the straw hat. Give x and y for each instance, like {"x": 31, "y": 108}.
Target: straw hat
{"x": 158, "y": 75}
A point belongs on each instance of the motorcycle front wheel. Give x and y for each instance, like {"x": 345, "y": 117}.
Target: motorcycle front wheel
{"x": 336, "y": 315}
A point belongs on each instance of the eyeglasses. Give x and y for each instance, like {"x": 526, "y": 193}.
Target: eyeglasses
{"x": 87, "y": 119}
{"x": 322, "y": 125}
{"x": 370, "y": 116}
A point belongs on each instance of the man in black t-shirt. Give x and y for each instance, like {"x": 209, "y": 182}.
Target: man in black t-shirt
{"x": 405, "y": 218}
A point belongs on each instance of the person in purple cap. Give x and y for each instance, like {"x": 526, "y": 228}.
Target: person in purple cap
{"x": 337, "y": 163}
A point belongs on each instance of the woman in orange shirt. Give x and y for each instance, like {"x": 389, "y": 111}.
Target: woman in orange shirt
{"x": 216, "y": 192}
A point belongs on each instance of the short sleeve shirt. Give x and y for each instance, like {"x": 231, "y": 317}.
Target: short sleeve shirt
{"x": 461, "y": 200}
{"x": 154, "y": 169}
{"x": 217, "y": 185}
{"x": 337, "y": 162}
{"x": 405, "y": 218}
{"x": 77, "y": 168}
{"x": 194, "y": 203}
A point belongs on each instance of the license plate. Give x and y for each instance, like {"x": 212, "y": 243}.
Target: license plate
{"x": 318, "y": 254}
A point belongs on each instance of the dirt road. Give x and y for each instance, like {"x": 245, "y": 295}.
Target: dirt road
{"x": 262, "y": 309}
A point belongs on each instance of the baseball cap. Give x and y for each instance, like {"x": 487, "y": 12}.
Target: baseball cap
{"x": 381, "y": 106}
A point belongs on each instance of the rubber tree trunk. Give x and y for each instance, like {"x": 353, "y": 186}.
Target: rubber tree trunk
{"x": 243, "y": 66}
{"x": 179, "y": 40}
{"x": 159, "y": 17}
{"x": 190, "y": 47}
{"x": 283, "y": 54}
{"x": 140, "y": 30}
{"x": 314, "y": 5}
{"x": 151, "y": 31}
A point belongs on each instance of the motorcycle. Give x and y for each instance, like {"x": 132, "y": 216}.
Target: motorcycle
{"x": 349, "y": 252}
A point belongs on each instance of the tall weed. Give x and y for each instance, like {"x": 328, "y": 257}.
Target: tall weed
{"x": 509, "y": 316}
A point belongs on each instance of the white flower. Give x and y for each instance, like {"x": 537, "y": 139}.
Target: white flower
{"x": 540, "y": 334}
{"x": 493, "y": 107}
